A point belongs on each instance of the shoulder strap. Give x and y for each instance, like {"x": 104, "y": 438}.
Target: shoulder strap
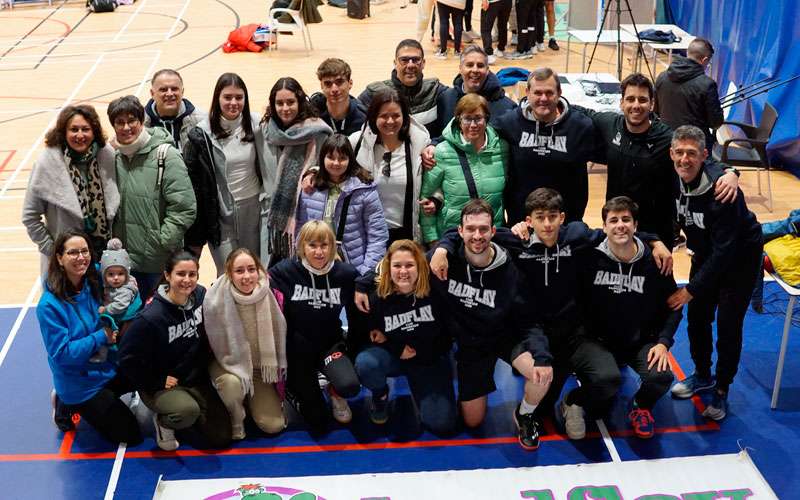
{"x": 161, "y": 158}
{"x": 462, "y": 159}
{"x": 342, "y": 219}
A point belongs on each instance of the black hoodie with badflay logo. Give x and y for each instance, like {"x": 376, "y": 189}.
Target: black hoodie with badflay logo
{"x": 166, "y": 339}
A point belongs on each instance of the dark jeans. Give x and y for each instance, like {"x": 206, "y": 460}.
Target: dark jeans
{"x": 599, "y": 372}
{"x": 399, "y": 233}
{"x": 729, "y": 299}
{"x": 303, "y": 386}
{"x": 497, "y": 11}
{"x": 147, "y": 283}
{"x": 431, "y": 385}
{"x": 110, "y": 416}
{"x": 526, "y": 24}
{"x": 445, "y": 13}
{"x": 468, "y": 15}
{"x": 538, "y": 21}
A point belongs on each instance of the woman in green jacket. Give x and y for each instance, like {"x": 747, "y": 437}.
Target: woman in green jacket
{"x": 157, "y": 205}
{"x": 470, "y": 163}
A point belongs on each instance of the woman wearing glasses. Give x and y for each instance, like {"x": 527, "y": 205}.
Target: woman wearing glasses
{"x": 389, "y": 147}
{"x": 73, "y": 184}
{"x": 346, "y": 198}
{"x": 470, "y": 163}
{"x": 72, "y": 335}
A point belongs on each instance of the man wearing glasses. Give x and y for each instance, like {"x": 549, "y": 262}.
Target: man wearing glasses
{"x": 549, "y": 146}
{"x": 421, "y": 93}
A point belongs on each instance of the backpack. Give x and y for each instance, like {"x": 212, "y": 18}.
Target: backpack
{"x": 97, "y": 6}
{"x": 358, "y": 9}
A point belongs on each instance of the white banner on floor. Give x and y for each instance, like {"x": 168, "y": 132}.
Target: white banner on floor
{"x": 711, "y": 477}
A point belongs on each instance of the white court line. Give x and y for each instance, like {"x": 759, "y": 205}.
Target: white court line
{"x": 133, "y": 16}
{"x": 26, "y": 66}
{"x": 12, "y": 228}
{"x": 38, "y": 141}
{"x": 147, "y": 73}
{"x": 94, "y": 53}
{"x": 12, "y": 197}
{"x": 18, "y": 322}
{"x": 612, "y": 450}
{"x": 177, "y": 19}
{"x": 11, "y": 306}
{"x": 43, "y": 40}
{"x": 117, "y": 467}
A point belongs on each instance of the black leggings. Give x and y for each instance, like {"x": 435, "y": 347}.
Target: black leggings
{"x": 499, "y": 11}
{"x": 110, "y": 416}
{"x": 526, "y": 23}
{"x": 303, "y": 386}
{"x": 445, "y": 13}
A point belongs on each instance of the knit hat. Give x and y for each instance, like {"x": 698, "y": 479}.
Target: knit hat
{"x": 115, "y": 255}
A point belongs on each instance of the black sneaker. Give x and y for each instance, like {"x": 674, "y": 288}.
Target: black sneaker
{"x": 62, "y": 417}
{"x": 527, "y": 430}
{"x": 553, "y": 44}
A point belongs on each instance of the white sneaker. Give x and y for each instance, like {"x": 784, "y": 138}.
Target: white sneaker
{"x": 533, "y": 50}
{"x": 574, "y": 421}
{"x": 491, "y": 59}
{"x": 339, "y": 407}
{"x": 540, "y": 47}
{"x": 471, "y": 35}
{"x": 499, "y": 54}
{"x": 237, "y": 432}
{"x": 165, "y": 438}
{"x": 440, "y": 55}
{"x": 514, "y": 39}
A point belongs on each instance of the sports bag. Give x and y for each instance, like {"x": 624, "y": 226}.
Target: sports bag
{"x": 97, "y": 6}
{"x": 358, "y": 9}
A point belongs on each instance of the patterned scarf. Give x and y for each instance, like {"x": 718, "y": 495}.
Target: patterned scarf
{"x": 89, "y": 190}
{"x": 299, "y": 152}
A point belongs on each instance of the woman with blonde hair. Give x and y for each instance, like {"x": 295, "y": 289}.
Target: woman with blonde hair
{"x": 316, "y": 286}
{"x": 247, "y": 333}
{"x": 407, "y": 340}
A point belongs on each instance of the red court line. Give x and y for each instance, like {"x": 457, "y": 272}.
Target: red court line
{"x": 8, "y": 158}
{"x": 676, "y": 369}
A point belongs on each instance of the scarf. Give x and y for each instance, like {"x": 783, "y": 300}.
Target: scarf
{"x": 89, "y": 190}
{"x": 131, "y": 149}
{"x": 299, "y": 152}
{"x": 227, "y": 337}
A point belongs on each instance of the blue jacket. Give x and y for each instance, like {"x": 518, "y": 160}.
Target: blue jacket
{"x": 365, "y": 232}
{"x": 72, "y": 333}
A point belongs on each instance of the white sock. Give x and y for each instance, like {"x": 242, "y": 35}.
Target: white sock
{"x": 526, "y": 408}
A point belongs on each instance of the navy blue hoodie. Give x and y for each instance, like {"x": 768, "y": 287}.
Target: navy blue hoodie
{"x": 484, "y": 305}
{"x": 718, "y": 233}
{"x": 550, "y": 155}
{"x": 166, "y": 339}
{"x": 409, "y": 320}
{"x": 313, "y": 304}
{"x": 356, "y": 114}
{"x": 625, "y": 303}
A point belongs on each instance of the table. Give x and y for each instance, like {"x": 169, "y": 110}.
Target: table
{"x": 685, "y": 37}
{"x": 607, "y": 37}
{"x": 575, "y": 93}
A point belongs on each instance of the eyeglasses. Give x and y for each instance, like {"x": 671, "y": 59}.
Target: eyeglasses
{"x": 387, "y": 165}
{"x": 405, "y": 60}
{"x": 473, "y": 120}
{"x": 75, "y": 253}
{"x": 131, "y": 122}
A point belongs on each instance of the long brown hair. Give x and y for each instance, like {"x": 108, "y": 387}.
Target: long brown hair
{"x": 57, "y": 281}
{"x": 384, "y": 280}
{"x": 57, "y": 136}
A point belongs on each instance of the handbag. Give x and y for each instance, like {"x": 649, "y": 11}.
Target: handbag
{"x": 98, "y": 6}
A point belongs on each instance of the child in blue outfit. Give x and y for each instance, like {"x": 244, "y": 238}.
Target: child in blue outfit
{"x": 121, "y": 300}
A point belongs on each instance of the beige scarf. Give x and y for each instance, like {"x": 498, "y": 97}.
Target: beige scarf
{"x": 227, "y": 337}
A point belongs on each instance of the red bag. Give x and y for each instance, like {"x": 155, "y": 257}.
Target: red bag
{"x": 241, "y": 40}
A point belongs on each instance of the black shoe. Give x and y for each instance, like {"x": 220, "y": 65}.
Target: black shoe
{"x": 62, "y": 416}
{"x": 527, "y": 430}
{"x": 553, "y": 44}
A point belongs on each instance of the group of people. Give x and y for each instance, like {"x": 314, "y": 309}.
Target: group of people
{"x": 322, "y": 208}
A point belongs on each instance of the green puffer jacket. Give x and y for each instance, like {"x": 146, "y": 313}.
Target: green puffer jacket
{"x": 150, "y": 220}
{"x": 488, "y": 169}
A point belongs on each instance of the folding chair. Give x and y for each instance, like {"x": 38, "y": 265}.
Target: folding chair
{"x": 297, "y": 25}
{"x": 793, "y": 293}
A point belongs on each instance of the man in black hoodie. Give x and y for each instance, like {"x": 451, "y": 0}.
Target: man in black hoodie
{"x": 635, "y": 146}
{"x": 727, "y": 242}
{"x": 487, "y": 311}
{"x": 686, "y": 96}
{"x": 549, "y": 145}
{"x": 336, "y": 107}
{"x": 421, "y": 93}
{"x": 623, "y": 297}
{"x": 168, "y": 109}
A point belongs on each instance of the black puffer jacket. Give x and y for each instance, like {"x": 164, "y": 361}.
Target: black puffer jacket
{"x": 686, "y": 96}
{"x": 199, "y": 161}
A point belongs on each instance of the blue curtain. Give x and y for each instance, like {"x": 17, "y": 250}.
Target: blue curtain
{"x": 753, "y": 40}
